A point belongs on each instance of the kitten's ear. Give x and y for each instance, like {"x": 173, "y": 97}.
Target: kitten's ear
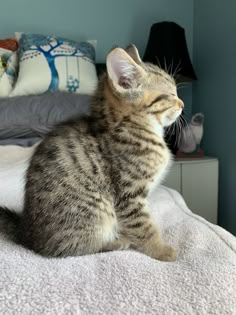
{"x": 122, "y": 69}
{"x": 134, "y": 54}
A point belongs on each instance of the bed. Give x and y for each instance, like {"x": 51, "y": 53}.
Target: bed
{"x": 201, "y": 281}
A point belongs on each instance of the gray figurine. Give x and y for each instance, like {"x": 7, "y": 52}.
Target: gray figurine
{"x": 191, "y": 135}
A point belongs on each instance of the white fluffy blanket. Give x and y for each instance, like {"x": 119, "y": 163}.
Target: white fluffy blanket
{"x": 201, "y": 281}
{"x": 14, "y": 161}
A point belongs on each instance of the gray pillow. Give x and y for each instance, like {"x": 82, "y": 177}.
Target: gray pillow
{"x": 31, "y": 117}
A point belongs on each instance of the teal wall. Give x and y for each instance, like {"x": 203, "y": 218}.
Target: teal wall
{"x": 215, "y": 94}
{"x": 111, "y": 22}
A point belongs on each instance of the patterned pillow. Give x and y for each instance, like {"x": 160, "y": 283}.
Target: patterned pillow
{"x": 49, "y": 63}
{"x": 8, "y": 65}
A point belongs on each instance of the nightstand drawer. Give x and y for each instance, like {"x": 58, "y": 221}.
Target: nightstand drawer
{"x": 173, "y": 178}
{"x": 197, "y": 181}
{"x": 200, "y": 188}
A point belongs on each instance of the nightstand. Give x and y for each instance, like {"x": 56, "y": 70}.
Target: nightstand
{"x": 197, "y": 181}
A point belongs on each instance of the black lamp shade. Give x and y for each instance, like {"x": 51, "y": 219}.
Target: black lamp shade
{"x": 167, "y": 48}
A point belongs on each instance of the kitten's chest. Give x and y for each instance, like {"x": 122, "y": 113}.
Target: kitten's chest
{"x": 161, "y": 169}
{"x": 143, "y": 161}
{"x": 139, "y": 157}
{"x": 159, "y": 164}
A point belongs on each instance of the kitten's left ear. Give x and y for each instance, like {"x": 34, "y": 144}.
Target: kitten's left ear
{"x": 123, "y": 71}
{"x": 134, "y": 54}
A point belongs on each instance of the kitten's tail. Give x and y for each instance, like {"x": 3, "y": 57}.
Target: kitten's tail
{"x": 9, "y": 223}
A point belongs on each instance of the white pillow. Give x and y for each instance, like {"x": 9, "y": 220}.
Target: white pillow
{"x": 54, "y": 63}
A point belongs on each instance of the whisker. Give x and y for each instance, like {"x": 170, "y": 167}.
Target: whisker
{"x": 172, "y": 130}
{"x": 180, "y": 130}
{"x": 177, "y": 69}
{"x": 169, "y": 131}
{"x": 178, "y": 134}
{"x": 158, "y": 62}
{"x": 169, "y": 67}
{"x": 183, "y": 120}
{"x": 172, "y": 64}
{"x": 187, "y": 113}
{"x": 166, "y": 70}
{"x": 181, "y": 87}
{"x": 183, "y": 83}
{"x": 181, "y": 124}
{"x": 186, "y": 127}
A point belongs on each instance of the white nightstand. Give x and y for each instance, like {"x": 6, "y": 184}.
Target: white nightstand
{"x": 197, "y": 181}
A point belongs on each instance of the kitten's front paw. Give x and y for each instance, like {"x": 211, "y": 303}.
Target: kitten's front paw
{"x": 166, "y": 253}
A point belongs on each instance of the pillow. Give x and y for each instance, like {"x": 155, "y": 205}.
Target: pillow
{"x": 7, "y": 47}
{"x": 8, "y": 65}
{"x": 9, "y": 44}
{"x": 25, "y": 118}
{"x": 49, "y": 63}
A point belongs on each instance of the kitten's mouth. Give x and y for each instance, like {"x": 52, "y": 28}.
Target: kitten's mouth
{"x": 175, "y": 114}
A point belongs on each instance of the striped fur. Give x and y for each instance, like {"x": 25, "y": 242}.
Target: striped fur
{"x": 88, "y": 181}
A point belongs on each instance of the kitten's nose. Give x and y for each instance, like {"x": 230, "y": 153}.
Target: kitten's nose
{"x": 180, "y": 103}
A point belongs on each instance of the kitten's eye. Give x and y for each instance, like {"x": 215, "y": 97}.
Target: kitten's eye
{"x": 158, "y": 99}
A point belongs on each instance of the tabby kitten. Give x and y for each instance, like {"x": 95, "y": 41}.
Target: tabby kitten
{"x": 88, "y": 180}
